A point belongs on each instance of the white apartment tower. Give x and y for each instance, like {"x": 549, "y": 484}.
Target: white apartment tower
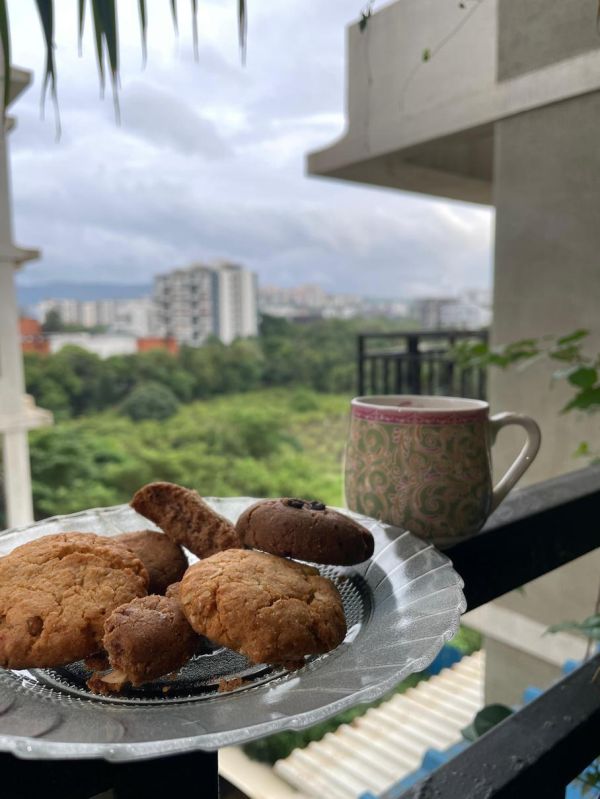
{"x": 238, "y": 302}
{"x": 194, "y": 303}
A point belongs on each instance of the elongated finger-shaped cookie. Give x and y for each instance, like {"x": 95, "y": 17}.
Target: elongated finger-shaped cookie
{"x": 186, "y": 518}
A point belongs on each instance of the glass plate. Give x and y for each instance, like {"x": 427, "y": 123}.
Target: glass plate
{"x": 401, "y": 606}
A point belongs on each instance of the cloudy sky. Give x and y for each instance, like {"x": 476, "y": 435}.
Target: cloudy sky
{"x": 208, "y": 161}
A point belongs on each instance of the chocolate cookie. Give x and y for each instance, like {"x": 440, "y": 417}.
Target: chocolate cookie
{"x": 147, "y": 638}
{"x": 296, "y": 528}
{"x": 55, "y": 594}
{"x": 186, "y": 518}
{"x": 164, "y": 560}
{"x": 270, "y": 609}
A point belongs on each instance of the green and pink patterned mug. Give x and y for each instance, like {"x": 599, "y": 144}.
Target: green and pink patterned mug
{"x": 424, "y": 463}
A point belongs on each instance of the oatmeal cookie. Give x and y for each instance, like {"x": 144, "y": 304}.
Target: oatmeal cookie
{"x": 186, "y": 518}
{"x": 55, "y": 594}
{"x": 297, "y": 528}
{"x": 164, "y": 560}
{"x": 270, "y": 609}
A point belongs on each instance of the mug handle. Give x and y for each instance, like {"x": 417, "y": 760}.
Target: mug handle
{"x": 524, "y": 458}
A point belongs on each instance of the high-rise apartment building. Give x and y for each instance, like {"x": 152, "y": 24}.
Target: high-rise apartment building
{"x": 194, "y": 303}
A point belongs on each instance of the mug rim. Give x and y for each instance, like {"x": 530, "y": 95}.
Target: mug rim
{"x": 445, "y": 404}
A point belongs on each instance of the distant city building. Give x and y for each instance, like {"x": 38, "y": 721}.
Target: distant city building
{"x": 155, "y": 343}
{"x": 472, "y": 311}
{"x": 201, "y": 300}
{"x": 102, "y": 344}
{"x": 311, "y": 301}
{"x": 134, "y": 317}
{"x": 32, "y": 337}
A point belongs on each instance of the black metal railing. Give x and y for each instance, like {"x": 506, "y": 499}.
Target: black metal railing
{"x": 534, "y": 753}
{"x": 420, "y": 362}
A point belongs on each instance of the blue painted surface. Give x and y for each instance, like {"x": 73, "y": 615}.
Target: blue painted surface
{"x": 448, "y": 656}
{"x": 434, "y": 758}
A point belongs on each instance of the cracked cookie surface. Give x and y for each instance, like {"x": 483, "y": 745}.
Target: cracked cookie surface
{"x": 270, "y": 609}
{"x": 297, "y": 528}
{"x": 186, "y": 518}
{"x": 56, "y": 593}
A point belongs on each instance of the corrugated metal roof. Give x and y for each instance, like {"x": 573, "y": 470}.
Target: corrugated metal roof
{"x": 375, "y": 750}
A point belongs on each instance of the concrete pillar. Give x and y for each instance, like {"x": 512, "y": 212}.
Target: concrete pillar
{"x": 18, "y": 413}
{"x": 546, "y": 282}
{"x": 17, "y": 478}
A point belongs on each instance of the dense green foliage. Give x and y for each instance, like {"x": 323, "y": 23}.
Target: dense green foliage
{"x": 150, "y": 401}
{"x": 267, "y": 443}
{"x": 318, "y": 355}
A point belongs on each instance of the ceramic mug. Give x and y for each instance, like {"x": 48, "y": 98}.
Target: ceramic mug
{"x": 424, "y": 463}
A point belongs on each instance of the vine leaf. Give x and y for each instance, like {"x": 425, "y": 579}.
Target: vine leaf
{"x": 487, "y": 718}
{"x": 589, "y": 627}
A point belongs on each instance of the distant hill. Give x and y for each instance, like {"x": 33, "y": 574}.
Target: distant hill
{"x": 30, "y": 295}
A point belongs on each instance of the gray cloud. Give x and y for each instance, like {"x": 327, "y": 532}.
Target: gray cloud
{"x": 164, "y": 120}
{"x": 209, "y": 162}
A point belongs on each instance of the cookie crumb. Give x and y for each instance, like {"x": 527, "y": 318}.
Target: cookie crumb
{"x": 97, "y": 662}
{"x": 230, "y": 685}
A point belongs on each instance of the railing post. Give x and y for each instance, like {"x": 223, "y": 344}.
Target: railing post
{"x": 414, "y": 364}
{"x": 361, "y": 365}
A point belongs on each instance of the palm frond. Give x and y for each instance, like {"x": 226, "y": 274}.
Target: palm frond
{"x": 106, "y": 14}
{"x": 98, "y": 41}
{"x": 195, "y": 27}
{"x": 242, "y": 27}
{"x": 46, "y": 11}
{"x": 144, "y": 30}
{"x": 5, "y": 40}
{"x": 81, "y": 20}
{"x": 104, "y": 18}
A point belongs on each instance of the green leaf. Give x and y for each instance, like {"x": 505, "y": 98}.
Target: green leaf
{"x": 242, "y": 27}
{"x": 487, "y": 718}
{"x": 570, "y": 353}
{"x": 571, "y": 338}
{"x": 5, "y": 40}
{"x": 582, "y": 451}
{"x": 144, "y": 30}
{"x": 587, "y": 399}
{"x": 426, "y": 54}
{"x": 589, "y": 627}
{"x": 468, "y": 733}
{"x": 583, "y": 376}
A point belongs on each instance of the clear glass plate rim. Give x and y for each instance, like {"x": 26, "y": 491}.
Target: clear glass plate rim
{"x": 32, "y": 748}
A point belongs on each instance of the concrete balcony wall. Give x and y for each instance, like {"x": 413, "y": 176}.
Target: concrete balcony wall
{"x": 427, "y": 126}
{"x": 506, "y": 112}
